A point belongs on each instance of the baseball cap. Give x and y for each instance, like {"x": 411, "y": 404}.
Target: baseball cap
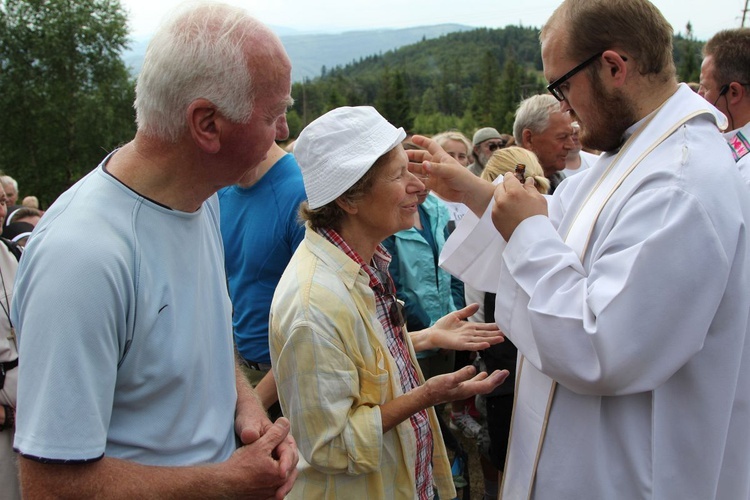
{"x": 484, "y": 134}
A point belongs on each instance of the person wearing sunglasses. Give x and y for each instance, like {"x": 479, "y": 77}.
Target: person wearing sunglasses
{"x": 343, "y": 359}
{"x": 626, "y": 292}
{"x": 486, "y": 141}
{"x": 725, "y": 83}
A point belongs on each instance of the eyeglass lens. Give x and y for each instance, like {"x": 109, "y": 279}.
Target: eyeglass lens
{"x": 397, "y": 312}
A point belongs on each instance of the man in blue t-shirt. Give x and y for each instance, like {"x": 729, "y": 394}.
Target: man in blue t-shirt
{"x": 261, "y": 231}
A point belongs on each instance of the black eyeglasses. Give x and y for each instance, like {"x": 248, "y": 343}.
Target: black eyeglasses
{"x": 554, "y": 87}
{"x": 494, "y": 146}
{"x": 396, "y": 311}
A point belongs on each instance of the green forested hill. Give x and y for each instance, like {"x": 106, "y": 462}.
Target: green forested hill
{"x": 462, "y": 80}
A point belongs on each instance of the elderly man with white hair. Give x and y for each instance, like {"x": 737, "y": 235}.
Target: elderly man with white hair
{"x": 128, "y": 386}
{"x": 10, "y": 186}
{"x": 545, "y": 130}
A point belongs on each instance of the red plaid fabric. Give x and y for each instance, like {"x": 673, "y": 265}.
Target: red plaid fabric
{"x": 385, "y": 294}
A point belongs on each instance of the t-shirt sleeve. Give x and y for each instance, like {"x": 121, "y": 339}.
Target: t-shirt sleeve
{"x": 70, "y": 310}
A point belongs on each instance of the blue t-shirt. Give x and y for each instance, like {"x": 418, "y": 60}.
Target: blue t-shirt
{"x": 124, "y": 329}
{"x": 261, "y": 231}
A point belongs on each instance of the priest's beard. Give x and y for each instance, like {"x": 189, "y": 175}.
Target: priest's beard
{"x": 603, "y": 130}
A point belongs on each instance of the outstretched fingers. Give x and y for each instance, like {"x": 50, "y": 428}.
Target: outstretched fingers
{"x": 467, "y": 311}
{"x": 484, "y": 383}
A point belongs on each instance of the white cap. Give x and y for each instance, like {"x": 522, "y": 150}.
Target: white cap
{"x": 337, "y": 149}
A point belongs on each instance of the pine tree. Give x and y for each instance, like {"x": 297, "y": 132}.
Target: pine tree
{"x": 65, "y": 92}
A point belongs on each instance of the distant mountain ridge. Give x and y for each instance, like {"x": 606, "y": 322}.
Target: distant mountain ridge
{"x": 311, "y": 52}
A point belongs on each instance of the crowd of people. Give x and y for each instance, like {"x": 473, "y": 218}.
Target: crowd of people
{"x": 208, "y": 314}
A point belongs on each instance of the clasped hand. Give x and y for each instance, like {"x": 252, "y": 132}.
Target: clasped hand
{"x": 266, "y": 463}
{"x": 514, "y": 203}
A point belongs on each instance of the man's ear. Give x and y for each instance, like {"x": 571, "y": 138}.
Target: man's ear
{"x": 736, "y": 93}
{"x": 205, "y": 123}
{"x": 526, "y": 136}
{"x": 346, "y": 205}
{"x": 615, "y": 66}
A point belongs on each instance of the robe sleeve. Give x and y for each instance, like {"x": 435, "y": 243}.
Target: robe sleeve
{"x": 599, "y": 331}
{"x": 614, "y": 329}
{"x": 472, "y": 253}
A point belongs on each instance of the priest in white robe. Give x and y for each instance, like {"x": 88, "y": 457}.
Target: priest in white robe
{"x": 627, "y": 293}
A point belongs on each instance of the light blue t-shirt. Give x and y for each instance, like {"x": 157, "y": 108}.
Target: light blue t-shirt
{"x": 111, "y": 278}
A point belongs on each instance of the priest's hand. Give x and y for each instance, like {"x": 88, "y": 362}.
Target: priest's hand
{"x": 443, "y": 174}
{"x": 514, "y": 203}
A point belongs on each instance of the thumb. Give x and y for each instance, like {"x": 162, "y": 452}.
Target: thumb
{"x": 467, "y": 311}
{"x": 465, "y": 373}
{"x": 275, "y": 434}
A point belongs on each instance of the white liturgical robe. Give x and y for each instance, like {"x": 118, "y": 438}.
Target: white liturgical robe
{"x": 633, "y": 296}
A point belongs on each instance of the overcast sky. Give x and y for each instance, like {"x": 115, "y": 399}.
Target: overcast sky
{"x": 706, "y": 16}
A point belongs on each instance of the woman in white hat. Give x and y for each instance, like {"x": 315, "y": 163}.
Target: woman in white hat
{"x": 344, "y": 363}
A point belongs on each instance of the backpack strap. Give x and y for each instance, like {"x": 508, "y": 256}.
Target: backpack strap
{"x": 13, "y": 247}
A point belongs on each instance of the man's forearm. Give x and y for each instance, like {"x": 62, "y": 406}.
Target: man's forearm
{"x": 113, "y": 478}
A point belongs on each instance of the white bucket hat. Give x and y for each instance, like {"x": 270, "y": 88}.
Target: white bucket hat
{"x": 337, "y": 149}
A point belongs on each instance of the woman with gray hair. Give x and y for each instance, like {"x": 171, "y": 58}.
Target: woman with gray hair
{"x": 343, "y": 359}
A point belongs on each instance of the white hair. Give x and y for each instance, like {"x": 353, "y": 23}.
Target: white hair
{"x": 7, "y": 179}
{"x": 533, "y": 114}
{"x": 199, "y": 52}
{"x": 453, "y": 135}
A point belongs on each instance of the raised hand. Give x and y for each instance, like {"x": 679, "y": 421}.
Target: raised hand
{"x": 452, "y": 332}
{"x": 447, "y": 177}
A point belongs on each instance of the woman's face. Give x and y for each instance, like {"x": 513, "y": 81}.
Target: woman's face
{"x": 391, "y": 202}
{"x": 457, "y": 150}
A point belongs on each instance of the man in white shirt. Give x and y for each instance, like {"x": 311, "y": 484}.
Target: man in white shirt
{"x": 725, "y": 83}
{"x": 577, "y": 160}
{"x": 627, "y": 292}
{"x": 545, "y": 130}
